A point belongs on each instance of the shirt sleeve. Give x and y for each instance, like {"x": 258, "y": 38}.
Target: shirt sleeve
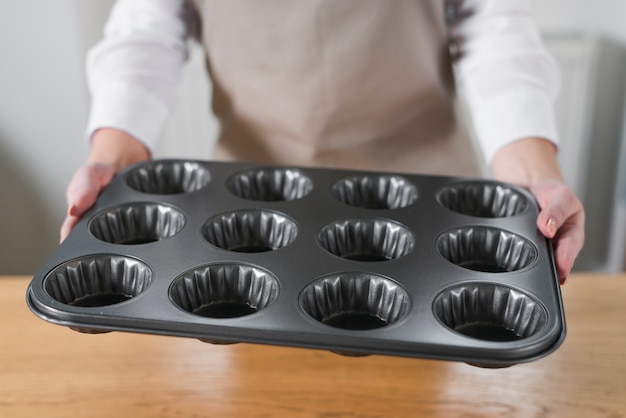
{"x": 506, "y": 76}
{"x": 134, "y": 71}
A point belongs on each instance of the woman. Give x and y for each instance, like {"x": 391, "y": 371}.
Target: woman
{"x": 352, "y": 84}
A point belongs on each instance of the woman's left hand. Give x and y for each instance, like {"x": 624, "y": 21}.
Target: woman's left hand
{"x": 532, "y": 163}
{"x": 562, "y": 219}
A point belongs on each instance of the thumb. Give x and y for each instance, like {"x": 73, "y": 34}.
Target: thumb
{"x": 86, "y": 185}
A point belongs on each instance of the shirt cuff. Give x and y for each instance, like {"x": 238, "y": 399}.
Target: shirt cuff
{"x": 512, "y": 116}
{"x": 129, "y": 109}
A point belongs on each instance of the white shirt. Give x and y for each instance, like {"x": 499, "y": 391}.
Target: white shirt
{"x": 133, "y": 73}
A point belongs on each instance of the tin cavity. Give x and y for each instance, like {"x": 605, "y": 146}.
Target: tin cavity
{"x": 98, "y": 280}
{"x": 485, "y": 199}
{"x": 137, "y": 223}
{"x": 485, "y": 249}
{"x": 225, "y": 290}
{"x": 355, "y": 301}
{"x": 168, "y": 177}
{"x": 375, "y": 191}
{"x": 250, "y": 231}
{"x": 369, "y": 239}
{"x": 489, "y": 312}
{"x": 271, "y": 184}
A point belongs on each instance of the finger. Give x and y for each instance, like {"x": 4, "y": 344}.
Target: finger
{"x": 83, "y": 191}
{"x": 568, "y": 244}
{"x": 85, "y": 187}
{"x": 68, "y": 224}
{"x": 83, "y": 200}
{"x": 564, "y": 256}
{"x": 557, "y": 206}
{"x": 552, "y": 219}
{"x": 556, "y": 212}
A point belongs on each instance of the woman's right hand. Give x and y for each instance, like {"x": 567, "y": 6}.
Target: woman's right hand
{"x": 84, "y": 188}
{"x": 110, "y": 151}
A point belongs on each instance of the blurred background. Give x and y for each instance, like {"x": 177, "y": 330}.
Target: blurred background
{"x": 44, "y": 105}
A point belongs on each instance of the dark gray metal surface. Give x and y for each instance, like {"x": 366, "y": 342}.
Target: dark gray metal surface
{"x": 348, "y": 261}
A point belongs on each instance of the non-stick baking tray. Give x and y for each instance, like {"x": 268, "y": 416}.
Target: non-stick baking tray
{"x": 353, "y": 262}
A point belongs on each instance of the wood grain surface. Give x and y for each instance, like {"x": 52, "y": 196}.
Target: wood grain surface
{"x": 51, "y": 371}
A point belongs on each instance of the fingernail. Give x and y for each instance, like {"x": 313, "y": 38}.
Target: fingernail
{"x": 551, "y": 227}
{"x": 564, "y": 281}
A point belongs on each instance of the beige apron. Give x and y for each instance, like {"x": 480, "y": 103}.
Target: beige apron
{"x": 353, "y": 83}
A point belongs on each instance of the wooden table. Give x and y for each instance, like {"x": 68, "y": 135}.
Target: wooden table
{"x": 50, "y": 371}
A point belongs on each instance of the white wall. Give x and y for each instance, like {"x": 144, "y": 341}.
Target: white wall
{"x": 599, "y": 17}
{"x": 43, "y": 105}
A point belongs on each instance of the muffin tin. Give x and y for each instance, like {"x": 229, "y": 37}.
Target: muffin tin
{"x": 353, "y": 262}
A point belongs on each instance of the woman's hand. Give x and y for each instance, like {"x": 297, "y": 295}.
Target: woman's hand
{"x": 532, "y": 163}
{"x": 562, "y": 218}
{"x": 86, "y": 184}
{"x": 111, "y": 150}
